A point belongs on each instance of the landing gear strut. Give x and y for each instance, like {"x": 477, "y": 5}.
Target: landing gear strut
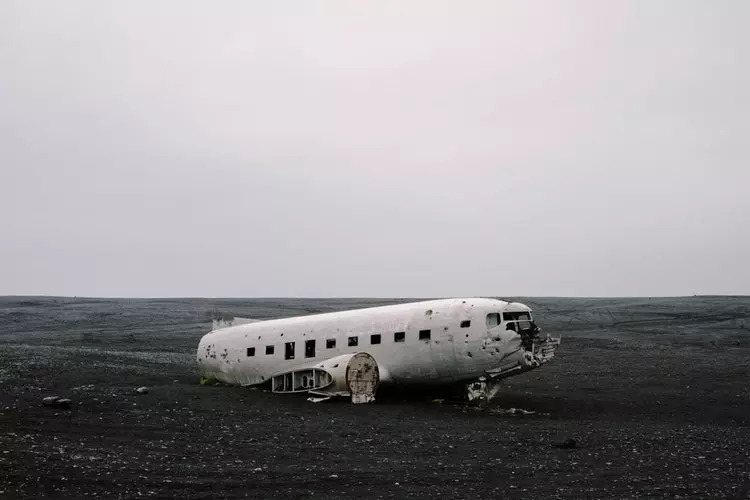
{"x": 482, "y": 391}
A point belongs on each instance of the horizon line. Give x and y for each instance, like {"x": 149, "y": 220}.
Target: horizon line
{"x": 290, "y": 297}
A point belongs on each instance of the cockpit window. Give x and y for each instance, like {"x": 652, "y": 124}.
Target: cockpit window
{"x": 515, "y": 316}
{"x": 493, "y": 319}
{"x": 521, "y": 319}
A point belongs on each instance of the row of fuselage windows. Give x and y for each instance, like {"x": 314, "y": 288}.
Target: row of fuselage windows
{"x": 375, "y": 339}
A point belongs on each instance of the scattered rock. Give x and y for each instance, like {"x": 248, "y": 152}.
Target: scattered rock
{"x": 88, "y": 387}
{"x": 568, "y": 444}
{"x": 142, "y": 390}
{"x": 57, "y": 402}
{"x": 50, "y": 401}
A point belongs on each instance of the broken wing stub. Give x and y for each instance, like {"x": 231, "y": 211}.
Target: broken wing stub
{"x": 542, "y": 351}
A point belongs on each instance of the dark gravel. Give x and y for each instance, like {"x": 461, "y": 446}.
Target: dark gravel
{"x": 654, "y": 392}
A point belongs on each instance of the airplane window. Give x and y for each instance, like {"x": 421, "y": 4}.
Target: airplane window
{"x": 493, "y": 319}
{"x": 353, "y": 341}
{"x": 516, "y": 316}
{"x": 375, "y": 338}
{"x": 518, "y": 321}
{"x": 310, "y": 348}
{"x": 269, "y": 349}
{"x": 466, "y": 323}
{"x": 399, "y": 336}
{"x": 289, "y": 354}
{"x": 424, "y": 334}
{"x": 330, "y": 343}
{"x": 251, "y": 351}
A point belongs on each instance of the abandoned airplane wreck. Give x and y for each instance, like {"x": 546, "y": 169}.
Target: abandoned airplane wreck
{"x": 474, "y": 342}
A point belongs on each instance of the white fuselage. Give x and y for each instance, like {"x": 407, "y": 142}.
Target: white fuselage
{"x": 438, "y": 341}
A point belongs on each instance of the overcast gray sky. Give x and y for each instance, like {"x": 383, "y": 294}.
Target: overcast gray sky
{"x": 175, "y": 148}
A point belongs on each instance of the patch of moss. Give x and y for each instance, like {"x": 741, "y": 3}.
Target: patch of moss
{"x": 209, "y": 381}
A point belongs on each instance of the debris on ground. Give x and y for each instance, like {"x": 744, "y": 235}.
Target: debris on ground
{"x": 512, "y": 411}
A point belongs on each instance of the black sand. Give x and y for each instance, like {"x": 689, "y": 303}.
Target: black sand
{"x": 654, "y": 391}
